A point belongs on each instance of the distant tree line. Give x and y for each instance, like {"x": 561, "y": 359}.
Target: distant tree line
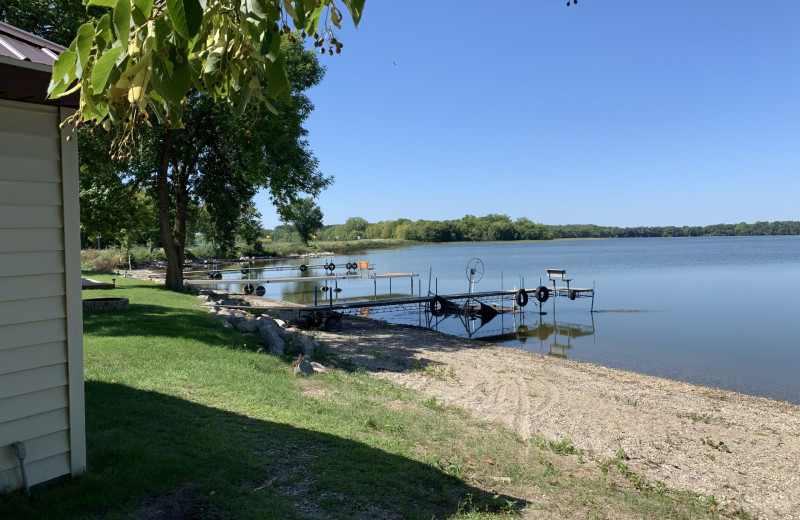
{"x": 494, "y": 227}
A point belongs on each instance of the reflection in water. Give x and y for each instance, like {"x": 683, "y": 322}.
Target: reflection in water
{"x": 554, "y": 337}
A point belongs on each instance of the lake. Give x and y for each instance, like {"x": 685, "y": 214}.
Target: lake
{"x": 716, "y": 311}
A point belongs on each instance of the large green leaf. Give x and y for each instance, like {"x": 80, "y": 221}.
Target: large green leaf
{"x": 312, "y": 21}
{"x": 212, "y": 63}
{"x": 277, "y": 80}
{"x": 122, "y": 20}
{"x": 163, "y": 30}
{"x": 142, "y": 10}
{"x": 63, "y": 73}
{"x": 102, "y": 69}
{"x": 180, "y": 82}
{"x": 257, "y": 8}
{"x": 103, "y": 32}
{"x": 101, "y": 3}
{"x": 63, "y": 65}
{"x": 266, "y": 42}
{"x": 186, "y": 16}
{"x": 298, "y": 15}
{"x": 157, "y": 105}
{"x": 356, "y": 7}
{"x": 161, "y": 75}
{"x": 83, "y": 46}
{"x": 254, "y": 30}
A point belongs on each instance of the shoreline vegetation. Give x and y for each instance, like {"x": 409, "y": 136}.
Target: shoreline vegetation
{"x": 187, "y": 418}
{"x": 335, "y": 240}
{"x": 501, "y": 228}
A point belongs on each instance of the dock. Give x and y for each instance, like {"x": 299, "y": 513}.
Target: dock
{"x": 288, "y": 279}
{"x": 484, "y": 305}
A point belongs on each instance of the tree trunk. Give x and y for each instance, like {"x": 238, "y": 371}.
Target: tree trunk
{"x": 172, "y": 251}
{"x": 180, "y": 183}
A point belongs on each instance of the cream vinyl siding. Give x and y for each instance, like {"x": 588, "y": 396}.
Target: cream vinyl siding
{"x": 41, "y": 353}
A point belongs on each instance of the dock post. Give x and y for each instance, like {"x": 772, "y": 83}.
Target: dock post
{"x": 316, "y": 289}
{"x": 592, "y": 309}
{"x": 390, "y": 286}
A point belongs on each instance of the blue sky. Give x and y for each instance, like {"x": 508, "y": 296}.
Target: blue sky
{"x": 614, "y": 112}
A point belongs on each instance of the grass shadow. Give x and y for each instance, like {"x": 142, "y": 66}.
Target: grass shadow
{"x": 155, "y": 456}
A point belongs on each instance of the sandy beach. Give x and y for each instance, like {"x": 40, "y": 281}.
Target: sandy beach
{"x": 743, "y": 450}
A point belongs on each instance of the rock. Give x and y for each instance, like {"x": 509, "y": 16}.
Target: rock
{"x": 248, "y": 325}
{"x": 234, "y": 321}
{"x": 304, "y": 367}
{"x": 306, "y": 344}
{"x": 269, "y": 337}
{"x": 280, "y": 323}
{"x": 269, "y": 323}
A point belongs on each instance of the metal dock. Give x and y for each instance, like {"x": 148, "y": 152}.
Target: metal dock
{"x": 484, "y": 305}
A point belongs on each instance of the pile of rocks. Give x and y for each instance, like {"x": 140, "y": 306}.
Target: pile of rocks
{"x": 275, "y": 335}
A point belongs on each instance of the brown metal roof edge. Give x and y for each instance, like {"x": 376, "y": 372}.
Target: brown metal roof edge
{"x": 27, "y": 79}
{"x": 30, "y": 38}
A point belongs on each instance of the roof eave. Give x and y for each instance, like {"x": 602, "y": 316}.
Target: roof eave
{"x": 28, "y": 82}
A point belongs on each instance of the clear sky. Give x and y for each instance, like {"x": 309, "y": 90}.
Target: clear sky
{"x": 612, "y": 112}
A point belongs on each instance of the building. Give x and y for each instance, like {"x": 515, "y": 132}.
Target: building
{"x": 41, "y": 345}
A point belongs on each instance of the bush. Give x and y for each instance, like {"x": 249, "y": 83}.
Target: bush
{"x": 256, "y": 249}
{"x": 107, "y": 260}
{"x": 140, "y": 255}
{"x": 206, "y": 251}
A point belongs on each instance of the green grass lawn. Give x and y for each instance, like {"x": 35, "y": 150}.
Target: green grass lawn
{"x": 187, "y": 419}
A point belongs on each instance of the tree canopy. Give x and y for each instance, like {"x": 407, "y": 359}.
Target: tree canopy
{"x": 143, "y": 58}
{"x": 153, "y": 74}
{"x": 215, "y": 164}
{"x": 493, "y": 227}
{"x": 305, "y": 217}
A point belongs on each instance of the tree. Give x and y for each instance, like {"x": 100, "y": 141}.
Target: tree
{"x": 305, "y": 217}
{"x": 143, "y": 58}
{"x": 354, "y": 228}
{"x": 219, "y": 160}
{"x": 108, "y": 206}
{"x": 146, "y": 68}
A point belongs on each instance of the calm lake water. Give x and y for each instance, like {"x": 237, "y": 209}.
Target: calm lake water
{"x": 717, "y": 311}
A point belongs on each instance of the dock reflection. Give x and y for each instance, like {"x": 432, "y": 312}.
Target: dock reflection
{"x": 554, "y": 337}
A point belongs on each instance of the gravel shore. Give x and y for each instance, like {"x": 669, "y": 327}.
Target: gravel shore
{"x": 743, "y": 450}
